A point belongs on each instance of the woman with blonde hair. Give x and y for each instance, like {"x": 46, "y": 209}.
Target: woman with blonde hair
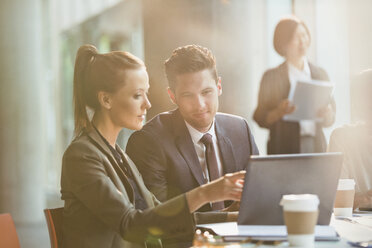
{"x": 106, "y": 201}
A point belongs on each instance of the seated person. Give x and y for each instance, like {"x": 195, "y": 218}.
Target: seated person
{"x": 355, "y": 141}
{"x": 175, "y": 154}
{"x": 106, "y": 201}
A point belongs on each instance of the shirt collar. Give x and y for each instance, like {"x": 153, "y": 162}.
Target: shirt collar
{"x": 306, "y": 69}
{"x": 197, "y": 135}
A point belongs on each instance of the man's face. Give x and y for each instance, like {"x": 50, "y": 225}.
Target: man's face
{"x": 196, "y": 95}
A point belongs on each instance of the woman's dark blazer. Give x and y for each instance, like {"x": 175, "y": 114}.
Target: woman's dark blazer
{"x": 285, "y": 135}
{"x": 99, "y": 206}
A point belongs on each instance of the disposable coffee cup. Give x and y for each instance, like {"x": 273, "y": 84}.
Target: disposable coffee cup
{"x": 344, "y": 198}
{"x": 300, "y": 216}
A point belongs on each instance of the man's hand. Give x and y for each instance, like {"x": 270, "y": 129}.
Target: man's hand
{"x": 233, "y": 207}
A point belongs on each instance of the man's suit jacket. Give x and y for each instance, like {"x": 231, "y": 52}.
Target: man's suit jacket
{"x": 285, "y": 135}
{"x": 165, "y": 154}
{"x": 99, "y": 206}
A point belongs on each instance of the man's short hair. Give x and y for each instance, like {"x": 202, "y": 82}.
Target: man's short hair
{"x": 284, "y": 32}
{"x": 361, "y": 101}
{"x": 189, "y": 59}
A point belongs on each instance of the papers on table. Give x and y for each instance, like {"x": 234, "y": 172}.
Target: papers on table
{"x": 277, "y": 232}
{"x": 355, "y": 229}
{"x": 309, "y": 97}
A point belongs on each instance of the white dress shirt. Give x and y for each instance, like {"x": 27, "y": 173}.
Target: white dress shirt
{"x": 307, "y": 127}
{"x": 200, "y": 148}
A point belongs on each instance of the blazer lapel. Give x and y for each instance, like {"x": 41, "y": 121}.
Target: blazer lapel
{"x": 226, "y": 152}
{"x": 186, "y": 147}
{"x": 285, "y": 84}
{"x": 115, "y": 169}
{"x": 138, "y": 179}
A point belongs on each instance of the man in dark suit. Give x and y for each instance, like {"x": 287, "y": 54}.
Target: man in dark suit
{"x": 187, "y": 147}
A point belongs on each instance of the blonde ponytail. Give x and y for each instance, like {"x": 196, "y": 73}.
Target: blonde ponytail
{"x": 96, "y": 72}
{"x": 84, "y": 58}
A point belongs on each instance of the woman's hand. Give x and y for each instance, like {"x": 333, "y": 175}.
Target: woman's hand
{"x": 285, "y": 107}
{"x": 325, "y": 111}
{"x": 228, "y": 187}
{"x": 327, "y": 115}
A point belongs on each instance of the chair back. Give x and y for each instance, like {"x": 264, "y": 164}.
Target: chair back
{"x": 54, "y": 219}
{"x": 8, "y": 233}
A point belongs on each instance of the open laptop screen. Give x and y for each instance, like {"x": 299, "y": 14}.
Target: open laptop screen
{"x": 270, "y": 177}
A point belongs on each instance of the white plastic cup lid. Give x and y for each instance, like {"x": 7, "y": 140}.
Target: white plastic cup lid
{"x": 346, "y": 184}
{"x": 302, "y": 202}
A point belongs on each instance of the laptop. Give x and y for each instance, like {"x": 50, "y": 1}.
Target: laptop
{"x": 270, "y": 177}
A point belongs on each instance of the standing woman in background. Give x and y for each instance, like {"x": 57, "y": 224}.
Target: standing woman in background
{"x": 106, "y": 201}
{"x": 291, "y": 41}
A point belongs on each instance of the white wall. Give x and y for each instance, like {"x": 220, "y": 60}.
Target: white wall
{"x": 332, "y": 25}
{"x": 360, "y": 35}
{"x": 263, "y": 55}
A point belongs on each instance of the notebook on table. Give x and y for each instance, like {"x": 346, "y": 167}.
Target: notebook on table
{"x": 231, "y": 232}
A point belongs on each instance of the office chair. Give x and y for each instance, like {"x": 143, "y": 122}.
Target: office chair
{"x": 54, "y": 219}
{"x": 8, "y": 233}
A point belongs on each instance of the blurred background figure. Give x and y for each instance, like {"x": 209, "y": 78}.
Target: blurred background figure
{"x": 291, "y": 41}
{"x": 36, "y": 76}
{"x": 355, "y": 140}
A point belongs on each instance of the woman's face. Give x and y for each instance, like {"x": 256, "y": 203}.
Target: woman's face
{"x": 299, "y": 44}
{"x": 130, "y": 103}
